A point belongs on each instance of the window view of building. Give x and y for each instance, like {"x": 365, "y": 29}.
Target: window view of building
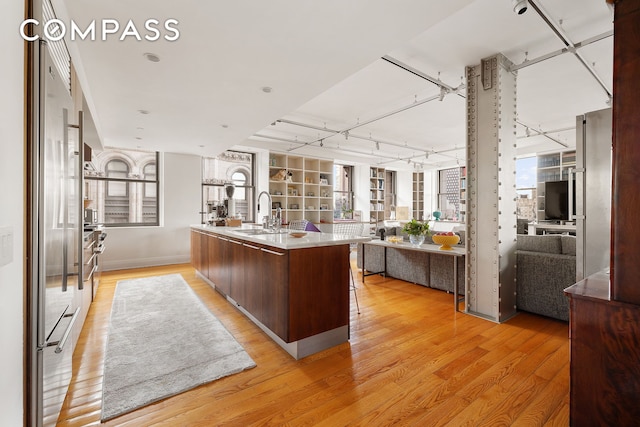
{"x": 526, "y": 188}
{"x": 342, "y": 191}
{"x": 449, "y": 192}
{"x": 123, "y": 188}
{"x": 230, "y": 167}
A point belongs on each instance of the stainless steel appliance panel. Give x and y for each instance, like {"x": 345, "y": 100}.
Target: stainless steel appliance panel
{"x": 593, "y": 192}
{"x": 57, "y": 227}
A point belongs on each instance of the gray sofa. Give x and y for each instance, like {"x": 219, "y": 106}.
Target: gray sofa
{"x": 546, "y": 265}
{"x": 423, "y": 268}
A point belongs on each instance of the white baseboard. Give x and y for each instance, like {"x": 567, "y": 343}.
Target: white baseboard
{"x": 123, "y": 264}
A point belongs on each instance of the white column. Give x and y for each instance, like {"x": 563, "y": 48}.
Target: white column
{"x": 491, "y": 194}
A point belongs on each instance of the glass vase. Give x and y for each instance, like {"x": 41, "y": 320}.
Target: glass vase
{"x": 416, "y": 239}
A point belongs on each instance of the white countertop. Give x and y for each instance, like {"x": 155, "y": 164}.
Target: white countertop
{"x": 282, "y": 240}
{"x": 455, "y": 250}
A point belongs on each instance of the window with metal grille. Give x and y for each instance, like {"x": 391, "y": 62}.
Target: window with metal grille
{"x": 123, "y": 188}
{"x": 233, "y": 167}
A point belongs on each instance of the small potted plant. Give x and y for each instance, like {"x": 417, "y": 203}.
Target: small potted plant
{"x": 416, "y": 230}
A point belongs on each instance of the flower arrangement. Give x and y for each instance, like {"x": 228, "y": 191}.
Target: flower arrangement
{"x": 416, "y": 228}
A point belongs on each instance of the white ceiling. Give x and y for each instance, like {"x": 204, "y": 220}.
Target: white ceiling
{"x": 323, "y": 61}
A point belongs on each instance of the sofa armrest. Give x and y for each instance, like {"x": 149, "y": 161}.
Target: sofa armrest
{"x": 540, "y": 282}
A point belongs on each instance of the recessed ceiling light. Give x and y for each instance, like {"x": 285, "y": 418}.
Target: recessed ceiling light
{"x": 266, "y": 89}
{"x": 201, "y": 146}
{"x": 138, "y": 138}
{"x": 152, "y": 57}
{"x": 143, "y": 111}
{"x": 224, "y": 125}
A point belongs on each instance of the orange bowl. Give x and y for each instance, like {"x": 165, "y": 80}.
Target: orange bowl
{"x": 444, "y": 241}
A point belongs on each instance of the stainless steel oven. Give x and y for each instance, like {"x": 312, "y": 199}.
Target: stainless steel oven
{"x": 94, "y": 246}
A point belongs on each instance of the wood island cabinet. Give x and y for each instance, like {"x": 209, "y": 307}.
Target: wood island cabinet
{"x": 296, "y": 294}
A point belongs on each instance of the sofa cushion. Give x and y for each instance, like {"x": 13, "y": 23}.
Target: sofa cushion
{"x": 568, "y": 245}
{"x": 551, "y": 244}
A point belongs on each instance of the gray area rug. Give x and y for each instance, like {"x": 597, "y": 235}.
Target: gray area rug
{"x": 162, "y": 341}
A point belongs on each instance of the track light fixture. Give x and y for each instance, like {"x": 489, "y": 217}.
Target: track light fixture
{"x": 377, "y": 145}
{"x": 321, "y": 142}
{"x": 519, "y": 6}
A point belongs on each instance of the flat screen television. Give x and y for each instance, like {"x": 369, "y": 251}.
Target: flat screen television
{"x": 556, "y": 200}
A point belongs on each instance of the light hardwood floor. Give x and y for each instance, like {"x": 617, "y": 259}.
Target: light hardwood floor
{"x": 410, "y": 361}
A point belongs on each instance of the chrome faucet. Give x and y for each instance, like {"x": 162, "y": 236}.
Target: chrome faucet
{"x": 266, "y": 221}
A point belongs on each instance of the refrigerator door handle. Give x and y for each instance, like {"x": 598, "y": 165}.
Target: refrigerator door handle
{"x": 79, "y": 189}
{"x": 60, "y": 344}
{"x": 65, "y": 208}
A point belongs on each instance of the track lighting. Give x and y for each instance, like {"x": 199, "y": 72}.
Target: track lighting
{"x": 321, "y": 142}
{"x": 519, "y": 6}
{"x": 377, "y": 145}
{"x": 346, "y": 135}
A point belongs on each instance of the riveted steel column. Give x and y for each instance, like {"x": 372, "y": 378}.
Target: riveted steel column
{"x": 491, "y": 192}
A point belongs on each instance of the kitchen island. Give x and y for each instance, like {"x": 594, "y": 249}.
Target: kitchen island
{"x": 294, "y": 289}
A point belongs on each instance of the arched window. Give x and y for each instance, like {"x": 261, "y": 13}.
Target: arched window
{"x": 230, "y": 166}
{"x": 125, "y": 188}
{"x": 240, "y": 181}
{"x": 149, "y": 174}
{"x": 150, "y": 199}
{"x": 116, "y": 209}
{"x": 117, "y": 169}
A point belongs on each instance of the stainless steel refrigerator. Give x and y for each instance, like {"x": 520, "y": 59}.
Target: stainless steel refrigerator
{"x": 593, "y": 192}
{"x": 55, "y": 244}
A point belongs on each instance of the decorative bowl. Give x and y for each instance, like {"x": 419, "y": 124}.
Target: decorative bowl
{"x": 297, "y": 234}
{"x": 394, "y": 239}
{"x": 445, "y": 241}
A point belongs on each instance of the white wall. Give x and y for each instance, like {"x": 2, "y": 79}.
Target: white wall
{"x": 430, "y": 192}
{"x": 404, "y": 189}
{"x": 130, "y": 247}
{"x": 12, "y": 214}
{"x": 361, "y": 190}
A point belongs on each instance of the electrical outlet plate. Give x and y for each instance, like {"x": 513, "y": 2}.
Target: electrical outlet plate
{"x": 6, "y": 245}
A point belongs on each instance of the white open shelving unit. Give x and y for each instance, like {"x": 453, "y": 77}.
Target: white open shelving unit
{"x": 307, "y": 192}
